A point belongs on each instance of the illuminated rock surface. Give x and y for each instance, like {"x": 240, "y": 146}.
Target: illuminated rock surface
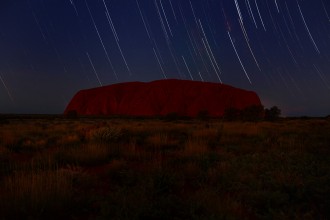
{"x": 161, "y": 97}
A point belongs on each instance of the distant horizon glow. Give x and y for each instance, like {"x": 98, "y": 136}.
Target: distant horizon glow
{"x": 51, "y": 49}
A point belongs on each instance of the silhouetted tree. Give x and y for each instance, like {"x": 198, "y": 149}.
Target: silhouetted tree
{"x": 253, "y": 113}
{"x": 272, "y": 114}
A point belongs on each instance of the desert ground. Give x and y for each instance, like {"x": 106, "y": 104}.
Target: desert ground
{"x": 55, "y": 167}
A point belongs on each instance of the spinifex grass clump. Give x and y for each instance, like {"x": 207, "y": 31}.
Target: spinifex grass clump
{"x": 85, "y": 154}
{"x": 107, "y": 134}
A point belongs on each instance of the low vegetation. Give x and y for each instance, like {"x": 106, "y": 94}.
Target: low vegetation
{"x": 117, "y": 168}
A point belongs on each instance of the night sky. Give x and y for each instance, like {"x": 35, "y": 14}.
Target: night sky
{"x": 50, "y": 49}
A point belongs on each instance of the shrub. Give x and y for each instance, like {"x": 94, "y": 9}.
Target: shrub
{"x": 252, "y": 113}
{"x": 231, "y": 114}
{"x": 203, "y": 114}
{"x": 174, "y": 116}
{"x": 72, "y": 114}
{"x": 272, "y": 114}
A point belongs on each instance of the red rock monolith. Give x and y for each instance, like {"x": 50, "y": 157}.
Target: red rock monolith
{"x": 161, "y": 97}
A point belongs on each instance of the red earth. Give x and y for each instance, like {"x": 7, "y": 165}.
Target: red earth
{"x": 161, "y": 97}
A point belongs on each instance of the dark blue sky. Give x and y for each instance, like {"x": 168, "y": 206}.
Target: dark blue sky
{"x": 50, "y": 49}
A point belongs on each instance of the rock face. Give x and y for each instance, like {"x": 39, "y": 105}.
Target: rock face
{"x": 161, "y": 97}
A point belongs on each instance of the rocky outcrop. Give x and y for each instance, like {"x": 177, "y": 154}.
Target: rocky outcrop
{"x": 161, "y": 97}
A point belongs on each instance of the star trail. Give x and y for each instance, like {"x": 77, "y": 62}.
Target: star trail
{"x": 50, "y": 49}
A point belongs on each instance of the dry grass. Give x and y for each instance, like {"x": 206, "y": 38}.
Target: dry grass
{"x": 84, "y": 154}
{"x": 153, "y": 169}
{"x": 195, "y": 146}
{"x": 35, "y": 192}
